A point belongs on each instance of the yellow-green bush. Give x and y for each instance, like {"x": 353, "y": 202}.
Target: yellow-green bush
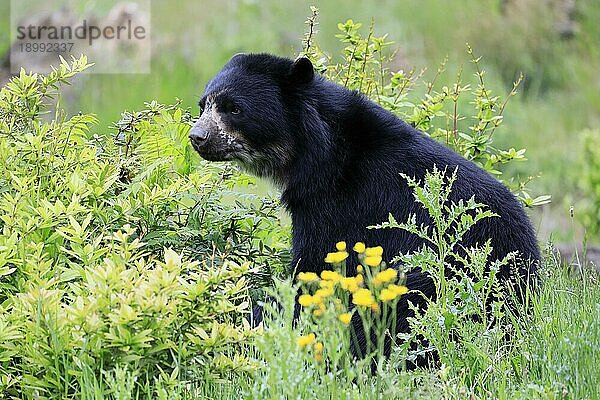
{"x": 96, "y": 296}
{"x": 591, "y": 182}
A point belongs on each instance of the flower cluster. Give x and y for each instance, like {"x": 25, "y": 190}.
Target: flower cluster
{"x": 363, "y": 295}
{"x": 327, "y": 296}
{"x": 327, "y": 284}
{"x": 392, "y": 292}
{"x": 306, "y": 340}
{"x": 373, "y": 256}
{"x": 310, "y": 341}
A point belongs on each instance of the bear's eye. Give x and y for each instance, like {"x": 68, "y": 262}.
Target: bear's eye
{"x": 232, "y": 109}
{"x": 228, "y": 106}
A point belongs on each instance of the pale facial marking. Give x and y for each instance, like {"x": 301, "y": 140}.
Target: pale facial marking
{"x": 211, "y": 116}
{"x": 251, "y": 160}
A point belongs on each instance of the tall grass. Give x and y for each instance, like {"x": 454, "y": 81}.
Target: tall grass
{"x": 552, "y": 353}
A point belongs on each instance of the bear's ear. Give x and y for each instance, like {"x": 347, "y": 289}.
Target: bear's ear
{"x": 238, "y": 56}
{"x": 302, "y": 71}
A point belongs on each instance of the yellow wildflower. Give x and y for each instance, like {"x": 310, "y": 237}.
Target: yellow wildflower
{"x": 375, "y": 308}
{"x": 318, "y": 351}
{"x": 337, "y": 257}
{"x": 319, "y": 311}
{"x": 350, "y": 284}
{"x": 326, "y": 284}
{"x": 341, "y": 246}
{"x": 359, "y": 279}
{"x": 373, "y": 261}
{"x": 360, "y": 269}
{"x": 324, "y": 292}
{"x": 392, "y": 292}
{"x": 332, "y": 276}
{"x": 308, "y": 277}
{"x": 399, "y": 290}
{"x": 387, "y": 295}
{"x": 374, "y": 251}
{"x": 359, "y": 247}
{"x": 386, "y": 275}
{"x": 306, "y": 300}
{"x": 363, "y": 297}
{"x": 306, "y": 340}
{"x": 345, "y": 318}
{"x": 317, "y": 298}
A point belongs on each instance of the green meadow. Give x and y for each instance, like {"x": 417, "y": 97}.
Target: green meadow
{"x": 129, "y": 266}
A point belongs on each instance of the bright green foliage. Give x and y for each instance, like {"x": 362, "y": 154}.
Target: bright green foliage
{"x": 212, "y": 213}
{"x": 439, "y": 112}
{"x": 556, "y": 349}
{"x": 458, "y": 324}
{"x": 591, "y": 181}
{"x": 94, "y": 299}
{"x": 156, "y": 137}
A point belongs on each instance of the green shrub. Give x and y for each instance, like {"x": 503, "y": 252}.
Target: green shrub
{"x": 590, "y": 177}
{"x": 93, "y": 285}
{"x": 465, "y": 324}
{"x": 217, "y": 215}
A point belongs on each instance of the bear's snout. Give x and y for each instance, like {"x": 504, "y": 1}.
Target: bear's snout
{"x": 198, "y": 134}
{"x": 210, "y": 142}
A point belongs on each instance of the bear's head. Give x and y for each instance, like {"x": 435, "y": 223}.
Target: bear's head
{"x": 248, "y": 113}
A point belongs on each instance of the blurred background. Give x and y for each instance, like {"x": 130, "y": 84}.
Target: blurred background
{"x": 554, "y": 43}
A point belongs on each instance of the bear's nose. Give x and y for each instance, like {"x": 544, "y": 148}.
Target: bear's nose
{"x": 198, "y": 134}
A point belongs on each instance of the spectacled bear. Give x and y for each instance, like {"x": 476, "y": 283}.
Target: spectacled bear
{"x": 337, "y": 157}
